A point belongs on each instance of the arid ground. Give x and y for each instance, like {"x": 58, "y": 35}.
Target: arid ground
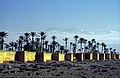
{"x": 66, "y": 69}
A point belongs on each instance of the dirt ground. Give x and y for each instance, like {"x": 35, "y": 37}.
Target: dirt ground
{"x": 66, "y": 69}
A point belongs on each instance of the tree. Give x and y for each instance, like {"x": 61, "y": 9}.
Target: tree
{"x": 81, "y": 40}
{"x": 89, "y": 46}
{"x": 50, "y": 48}
{"x": 41, "y": 43}
{"x": 110, "y": 49}
{"x": 7, "y": 46}
{"x": 71, "y": 46}
{"x": 93, "y": 41}
{"x": 85, "y": 42}
{"x": 104, "y": 47}
{"x": 66, "y": 41}
{"x": 98, "y": 47}
{"x": 102, "y": 44}
{"x": 53, "y": 42}
{"x": 37, "y": 41}
{"x": 15, "y": 46}
{"x": 46, "y": 45}
{"x": 11, "y": 45}
{"x": 53, "y": 37}
{"x": 43, "y": 39}
{"x": 27, "y": 35}
{"x": 114, "y": 51}
{"x": 21, "y": 40}
{"x": 33, "y": 35}
{"x": 62, "y": 49}
{"x": 75, "y": 37}
{"x": 74, "y": 48}
{"x": 106, "y": 50}
{"x": 86, "y": 49}
{"x": 3, "y": 35}
{"x": 94, "y": 48}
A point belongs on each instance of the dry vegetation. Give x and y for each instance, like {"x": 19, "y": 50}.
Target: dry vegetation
{"x": 85, "y": 69}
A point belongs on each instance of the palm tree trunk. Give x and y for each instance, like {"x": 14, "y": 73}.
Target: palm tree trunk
{"x": 32, "y": 42}
{"x": 12, "y": 48}
{"x": 75, "y": 45}
{"x": 53, "y": 48}
{"x": 21, "y": 46}
{"x": 70, "y": 47}
{"x": 15, "y": 49}
{"x": 98, "y": 48}
{"x": 102, "y": 49}
{"x": 84, "y": 46}
{"x": 43, "y": 45}
{"x": 66, "y": 45}
{"x": 2, "y": 42}
{"x": 46, "y": 47}
{"x": 81, "y": 46}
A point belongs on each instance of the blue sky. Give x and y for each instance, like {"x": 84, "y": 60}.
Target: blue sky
{"x": 93, "y": 16}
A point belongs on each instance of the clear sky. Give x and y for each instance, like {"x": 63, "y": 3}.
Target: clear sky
{"x": 38, "y": 15}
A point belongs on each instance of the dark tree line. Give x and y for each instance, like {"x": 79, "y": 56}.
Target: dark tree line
{"x": 36, "y": 42}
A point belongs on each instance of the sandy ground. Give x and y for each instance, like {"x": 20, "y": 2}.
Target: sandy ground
{"x": 85, "y": 69}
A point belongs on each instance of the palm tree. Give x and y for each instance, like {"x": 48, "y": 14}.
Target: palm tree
{"x": 89, "y": 46}
{"x": 102, "y": 44}
{"x": 57, "y": 47}
{"x": 53, "y": 42}
{"x": 27, "y": 44}
{"x": 27, "y": 35}
{"x": 104, "y": 47}
{"x": 43, "y": 39}
{"x": 110, "y": 49}
{"x": 53, "y": 37}
{"x": 62, "y": 49}
{"x": 12, "y": 45}
{"x": 7, "y": 46}
{"x": 46, "y": 45}
{"x": 71, "y": 46}
{"x": 81, "y": 40}
{"x": 98, "y": 47}
{"x": 53, "y": 46}
{"x": 94, "y": 48}
{"x": 86, "y": 49}
{"x": 85, "y": 42}
{"x": 74, "y": 48}
{"x": 50, "y": 48}
{"x": 66, "y": 39}
{"x": 93, "y": 41}
{"x": 41, "y": 43}
{"x": 3, "y": 35}
{"x": 114, "y": 51}
{"x": 37, "y": 41}
{"x": 106, "y": 50}
{"x": 33, "y": 35}
{"x": 75, "y": 37}
{"x": 21, "y": 39}
{"x": 15, "y": 45}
